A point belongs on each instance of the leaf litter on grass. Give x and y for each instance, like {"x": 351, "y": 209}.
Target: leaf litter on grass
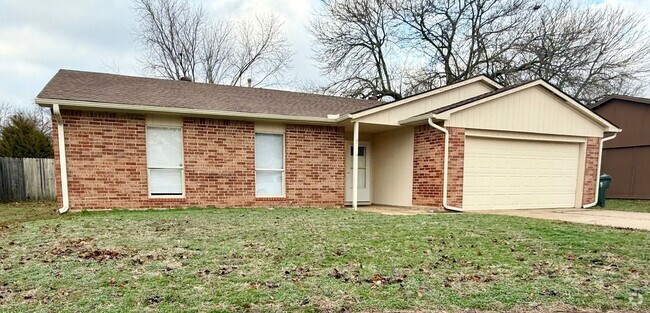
{"x": 84, "y": 248}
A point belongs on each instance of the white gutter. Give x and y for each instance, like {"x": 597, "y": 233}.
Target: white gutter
{"x": 331, "y": 119}
{"x": 63, "y": 166}
{"x": 421, "y": 118}
{"x": 600, "y": 155}
{"x": 446, "y": 165}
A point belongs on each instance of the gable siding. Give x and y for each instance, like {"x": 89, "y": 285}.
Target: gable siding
{"x": 532, "y": 110}
{"x": 393, "y": 115}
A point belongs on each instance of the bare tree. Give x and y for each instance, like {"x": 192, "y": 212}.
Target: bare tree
{"x": 460, "y": 39}
{"x": 356, "y": 40}
{"x": 41, "y": 116}
{"x": 171, "y": 31}
{"x": 217, "y": 52}
{"x": 587, "y": 52}
{"x": 182, "y": 41}
{"x": 261, "y": 51}
{"x": 6, "y": 110}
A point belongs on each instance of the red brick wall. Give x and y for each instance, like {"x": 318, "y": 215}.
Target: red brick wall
{"x": 591, "y": 170}
{"x": 456, "y": 166}
{"x": 106, "y": 155}
{"x": 315, "y": 165}
{"x": 104, "y": 159}
{"x": 428, "y": 166}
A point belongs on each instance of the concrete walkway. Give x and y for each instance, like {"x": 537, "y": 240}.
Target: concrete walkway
{"x": 392, "y": 210}
{"x": 620, "y": 219}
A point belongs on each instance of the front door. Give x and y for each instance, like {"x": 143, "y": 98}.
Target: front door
{"x": 363, "y": 192}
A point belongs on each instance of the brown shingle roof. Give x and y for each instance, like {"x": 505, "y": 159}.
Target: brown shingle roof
{"x": 120, "y": 89}
{"x": 620, "y": 97}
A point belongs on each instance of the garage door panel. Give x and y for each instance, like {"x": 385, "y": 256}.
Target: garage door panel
{"x": 511, "y": 174}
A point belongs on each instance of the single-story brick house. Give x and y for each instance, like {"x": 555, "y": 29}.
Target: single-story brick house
{"x": 132, "y": 142}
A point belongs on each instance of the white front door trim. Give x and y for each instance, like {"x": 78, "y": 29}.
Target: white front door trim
{"x": 364, "y": 173}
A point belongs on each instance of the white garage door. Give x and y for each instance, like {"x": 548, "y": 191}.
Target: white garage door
{"x": 518, "y": 174}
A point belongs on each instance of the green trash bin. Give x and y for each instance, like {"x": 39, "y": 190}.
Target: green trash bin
{"x": 605, "y": 181}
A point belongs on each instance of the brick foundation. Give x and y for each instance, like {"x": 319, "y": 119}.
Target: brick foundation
{"x": 107, "y": 168}
{"x": 428, "y": 166}
{"x": 591, "y": 170}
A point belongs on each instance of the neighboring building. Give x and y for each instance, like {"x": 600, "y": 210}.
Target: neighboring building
{"x": 133, "y": 142}
{"x": 627, "y": 157}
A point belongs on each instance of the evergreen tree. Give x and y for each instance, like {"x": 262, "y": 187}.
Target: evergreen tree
{"x": 22, "y": 138}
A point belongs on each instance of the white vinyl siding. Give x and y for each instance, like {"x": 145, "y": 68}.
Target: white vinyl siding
{"x": 165, "y": 161}
{"x": 269, "y": 165}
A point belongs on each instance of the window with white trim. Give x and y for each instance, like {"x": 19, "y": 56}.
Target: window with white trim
{"x": 165, "y": 161}
{"x": 269, "y": 165}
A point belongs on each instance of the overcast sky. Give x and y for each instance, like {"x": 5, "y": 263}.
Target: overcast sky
{"x": 39, "y": 37}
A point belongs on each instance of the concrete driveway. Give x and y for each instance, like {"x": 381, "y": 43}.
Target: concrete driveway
{"x": 621, "y": 219}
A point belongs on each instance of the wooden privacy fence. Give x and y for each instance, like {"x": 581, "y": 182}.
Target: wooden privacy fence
{"x": 26, "y": 179}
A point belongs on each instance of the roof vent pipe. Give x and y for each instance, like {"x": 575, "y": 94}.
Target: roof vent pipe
{"x": 250, "y": 82}
{"x": 185, "y": 79}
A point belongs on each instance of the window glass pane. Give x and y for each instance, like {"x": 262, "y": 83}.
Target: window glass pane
{"x": 362, "y": 158}
{"x": 362, "y": 150}
{"x": 164, "y": 147}
{"x": 362, "y": 155}
{"x": 268, "y": 183}
{"x": 269, "y": 151}
{"x": 361, "y": 179}
{"x": 165, "y": 181}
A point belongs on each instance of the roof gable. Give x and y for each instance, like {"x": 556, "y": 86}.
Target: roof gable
{"x": 609, "y": 99}
{"x": 531, "y": 110}
{"x": 483, "y": 80}
{"x": 390, "y": 113}
{"x": 444, "y": 113}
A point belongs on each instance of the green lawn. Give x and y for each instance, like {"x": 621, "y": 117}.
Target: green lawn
{"x": 318, "y": 260}
{"x": 13, "y": 213}
{"x": 628, "y": 205}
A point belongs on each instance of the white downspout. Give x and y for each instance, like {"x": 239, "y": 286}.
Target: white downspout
{"x": 62, "y": 161}
{"x": 446, "y": 165}
{"x": 600, "y": 155}
{"x": 355, "y": 166}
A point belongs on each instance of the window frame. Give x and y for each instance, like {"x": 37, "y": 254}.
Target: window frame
{"x": 283, "y": 194}
{"x": 149, "y": 168}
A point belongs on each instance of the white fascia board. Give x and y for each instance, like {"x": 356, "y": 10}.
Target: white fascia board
{"x": 184, "y": 111}
{"x": 425, "y": 95}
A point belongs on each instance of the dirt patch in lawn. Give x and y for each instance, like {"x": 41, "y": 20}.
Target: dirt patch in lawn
{"x": 83, "y": 248}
